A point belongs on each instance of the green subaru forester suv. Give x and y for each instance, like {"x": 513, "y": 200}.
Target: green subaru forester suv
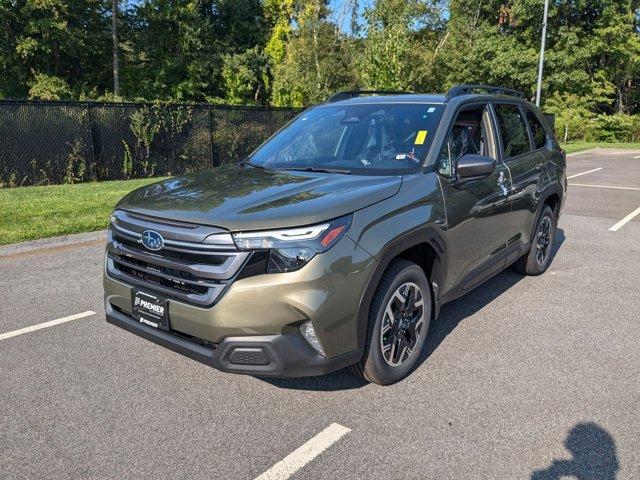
{"x": 337, "y": 241}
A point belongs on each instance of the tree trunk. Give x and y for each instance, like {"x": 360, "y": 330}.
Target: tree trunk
{"x": 114, "y": 36}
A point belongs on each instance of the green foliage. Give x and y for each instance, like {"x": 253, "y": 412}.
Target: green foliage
{"x": 176, "y": 47}
{"x": 145, "y": 124}
{"x": 127, "y": 161}
{"x": 61, "y": 39}
{"x": 48, "y": 87}
{"x": 278, "y": 14}
{"x": 76, "y": 163}
{"x": 246, "y": 77}
{"x": 318, "y": 61}
{"x": 399, "y": 44}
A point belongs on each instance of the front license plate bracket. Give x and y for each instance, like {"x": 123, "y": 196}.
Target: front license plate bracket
{"x": 150, "y": 309}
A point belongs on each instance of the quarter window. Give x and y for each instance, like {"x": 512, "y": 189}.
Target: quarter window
{"x": 537, "y": 130}
{"x": 513, "y": 130}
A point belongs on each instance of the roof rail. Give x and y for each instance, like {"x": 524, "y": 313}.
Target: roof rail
{"x": 457, "y": 90}
{"x": 336, "y": 97}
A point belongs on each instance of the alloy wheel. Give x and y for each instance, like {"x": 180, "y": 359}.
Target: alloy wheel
{"x": 402, "y": 324}
{"x": 543, "y": 241}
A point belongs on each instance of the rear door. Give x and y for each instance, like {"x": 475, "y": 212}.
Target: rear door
{"x": 525, "y": 165}
{"x": 477, "y": 209}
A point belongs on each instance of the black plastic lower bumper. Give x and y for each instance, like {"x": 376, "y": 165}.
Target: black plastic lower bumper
{"x": 284, "y": 355}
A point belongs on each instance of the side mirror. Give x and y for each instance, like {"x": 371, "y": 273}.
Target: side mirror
{"x": 474, "y": 166}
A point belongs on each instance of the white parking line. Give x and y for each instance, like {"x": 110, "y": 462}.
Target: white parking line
{"x": 602, "y": 186}
{"x": 304, "y": 454}
{"x": 51, "y": 323}
{"x": 584, "y": 173}
{"x": 637, "y": 156}
{"x": 626, "y": 219}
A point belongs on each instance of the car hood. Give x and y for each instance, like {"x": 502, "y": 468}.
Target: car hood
{"x": 246, "y": 198}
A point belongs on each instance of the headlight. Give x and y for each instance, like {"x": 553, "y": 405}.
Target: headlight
{"x": 292, "y": 248}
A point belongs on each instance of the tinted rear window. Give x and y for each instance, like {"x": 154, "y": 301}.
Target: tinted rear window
{"x": 513, "y": 130}
{"x": 537, "y": 130}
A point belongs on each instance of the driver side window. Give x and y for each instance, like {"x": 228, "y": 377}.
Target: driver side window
{"x": 470, "y": 134}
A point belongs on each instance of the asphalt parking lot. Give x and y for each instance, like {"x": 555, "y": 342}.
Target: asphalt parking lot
{"x": 524, "y": 378}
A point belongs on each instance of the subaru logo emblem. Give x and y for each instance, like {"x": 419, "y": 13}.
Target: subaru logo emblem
{"x": 152, "y": 240}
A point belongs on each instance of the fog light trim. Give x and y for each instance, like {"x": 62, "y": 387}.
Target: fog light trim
{"x": 309, "y": 333}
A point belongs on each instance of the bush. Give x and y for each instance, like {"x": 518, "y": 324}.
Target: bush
{"x": 48, "y": 87}
{"x": 576, "y": 121}
{"x": 615, "y": 128}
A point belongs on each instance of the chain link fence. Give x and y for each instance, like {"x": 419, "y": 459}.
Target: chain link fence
{"x": 45, "y": 143}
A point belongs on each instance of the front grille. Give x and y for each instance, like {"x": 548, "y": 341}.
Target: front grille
{"x": 185, "y": 257}
{"x": 195, "y": 269}
{"x": 152, "y": 279}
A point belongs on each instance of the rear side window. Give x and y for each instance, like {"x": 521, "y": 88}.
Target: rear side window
{"x": 537, "y": 130}
{"x": 513, "y": 130}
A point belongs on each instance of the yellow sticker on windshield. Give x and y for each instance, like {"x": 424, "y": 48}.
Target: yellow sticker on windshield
{"x": 420, "y": 137}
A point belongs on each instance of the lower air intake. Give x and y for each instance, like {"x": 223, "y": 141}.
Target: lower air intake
{"x": 249, "y": 356}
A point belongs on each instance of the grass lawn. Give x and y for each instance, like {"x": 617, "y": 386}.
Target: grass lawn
{"x": 579, "y": 146}
{"x": 27, "y": 213}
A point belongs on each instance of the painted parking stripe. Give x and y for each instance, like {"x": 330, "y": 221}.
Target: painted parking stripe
{"x": 637, "y": 156}
{"x": 602, "y": 186}
{"x": 304, "y": 454}
{"x": 584, "y": 173}
{"x": 51, "y": 323}
{"x": 626, "y": 219}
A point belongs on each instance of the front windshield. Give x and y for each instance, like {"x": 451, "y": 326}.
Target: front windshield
{"x": 364, "y": 138}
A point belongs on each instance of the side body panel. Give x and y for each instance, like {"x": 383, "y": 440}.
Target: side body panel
{"x": 414, "y": 216}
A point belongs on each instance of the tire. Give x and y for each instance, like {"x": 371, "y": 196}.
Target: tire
{"x": 390, "y": 356}
{"x": 537, "y": 259}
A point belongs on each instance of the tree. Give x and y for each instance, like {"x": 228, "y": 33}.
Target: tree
{"x": 64, "y": 39}
{"x": 279, "y": 15}
{"x": 317, "y": 62}
{"x": 114, "y": 36}
{"x": 592, "y": 48}
{"x": 400, "y": 42}
{"x": 246, "y": 77}
{"x": 178, "y": 46}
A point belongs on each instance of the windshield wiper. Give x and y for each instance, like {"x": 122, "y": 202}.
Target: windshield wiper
{"x": 318, "y": 169}
{"x": 246, "y": 161}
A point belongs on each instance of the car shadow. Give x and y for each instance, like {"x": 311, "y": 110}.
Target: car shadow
{"x": 593, "y": 453}
{"x": 450, "y": 316}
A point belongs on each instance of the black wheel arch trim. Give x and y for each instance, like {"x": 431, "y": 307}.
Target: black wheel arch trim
{"x": 552, "y": 189}
{"x": 428, "y": 234}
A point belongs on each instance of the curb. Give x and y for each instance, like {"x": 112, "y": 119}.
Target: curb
{"x": 581, "y": 152}
{"x": 52, "y": 242}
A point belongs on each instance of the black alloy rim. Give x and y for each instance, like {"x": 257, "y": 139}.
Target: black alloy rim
{"x": 543, "y": 241}
{"x": 402, "y": 324}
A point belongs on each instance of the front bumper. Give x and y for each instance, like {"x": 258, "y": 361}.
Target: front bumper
{"x": 281, "y": 355}
{"x": 263, "y": 314}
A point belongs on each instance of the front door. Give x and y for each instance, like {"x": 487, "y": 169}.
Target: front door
{"x": 476, "y": 210}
